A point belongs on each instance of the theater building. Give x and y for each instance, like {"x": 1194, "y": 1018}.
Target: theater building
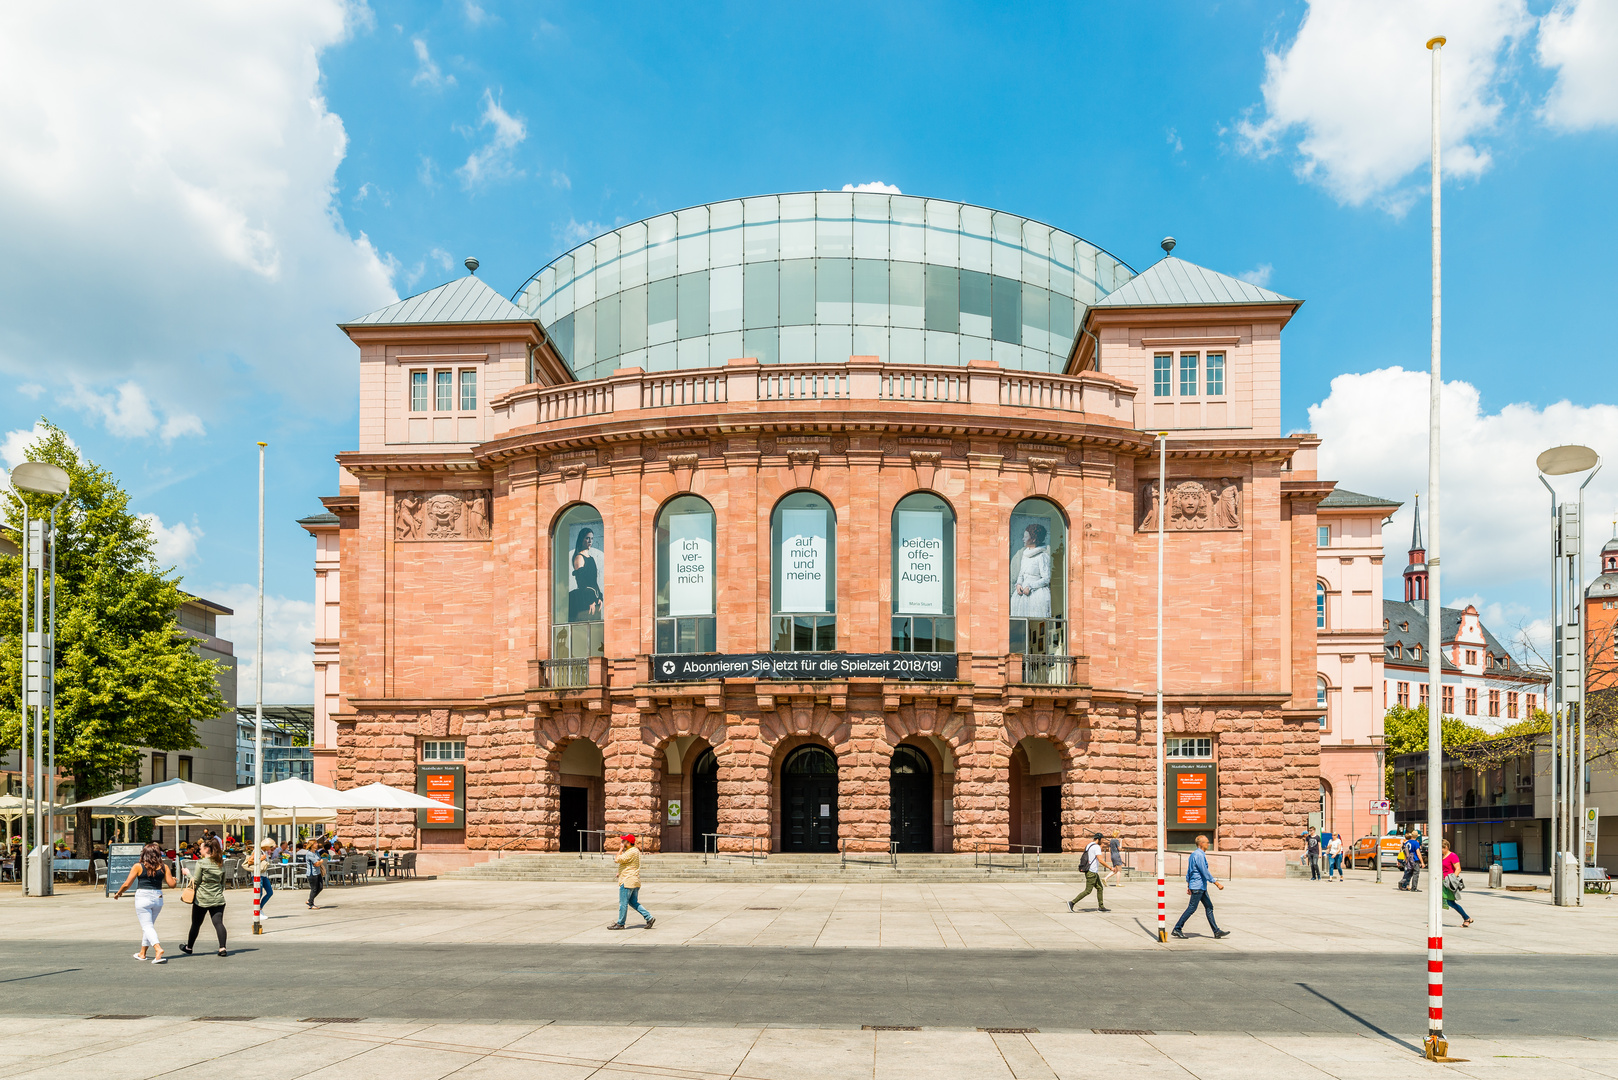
{"x": 824, "y": 520}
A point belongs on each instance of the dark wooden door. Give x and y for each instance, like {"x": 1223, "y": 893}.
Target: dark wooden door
{"x": 910, "y": 800}
{"x": 575, "y": 816}
{"x": 1050, "y": 818}
{"x": 704, "y": 800}
{"x": 809, "y": 800}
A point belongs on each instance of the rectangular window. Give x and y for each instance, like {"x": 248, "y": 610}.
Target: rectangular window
{"x": 1494, "y": 703}
{"x": 1188, "y": 374}
{"x": 1448, "y": 706}
{"x": 454, "y": 750}
{"x": 1424, "y": 688}
{"x": 418, "y": 391}
{"x": 1216, "y": 374}
{"x": 444, "y": 391}
{"x": 1188, "y": 748}
{"x": 160, "y": 768}
{"x": 1471, "y": 701}
{"x": 1404, "y": 694}
{"x": 1471, "y": 657}
{"x": 1323, "y": 536}
{"x": 1162, "y": 375}
{"x": 1511, "y": 705}
{"x": 1533, "y": 704}
{"x": 469, "y": 391}
{"x": 185, "y": 768}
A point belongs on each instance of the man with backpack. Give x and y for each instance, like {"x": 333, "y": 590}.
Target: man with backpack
{"x": 1094, "y": 864}
{"x": 1413, "y": 862}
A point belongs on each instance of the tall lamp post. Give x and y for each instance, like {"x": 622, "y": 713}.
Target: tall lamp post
{"x": 39, "y": 666}
{"x": 1162, "y": 826}
{"x": 258, "y": 716}
{"x": 1567, "y": 655}
{"x": 1352, "y": 838}
{"x": 1380, "y": 742}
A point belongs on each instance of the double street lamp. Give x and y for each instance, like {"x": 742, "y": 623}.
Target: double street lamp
{"x": 39, "y": 666}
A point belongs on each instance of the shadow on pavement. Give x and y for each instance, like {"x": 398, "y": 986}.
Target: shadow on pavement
{"x": 1357, "y": 1018}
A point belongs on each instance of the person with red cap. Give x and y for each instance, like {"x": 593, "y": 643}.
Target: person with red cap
{"x": 628, "y": 859}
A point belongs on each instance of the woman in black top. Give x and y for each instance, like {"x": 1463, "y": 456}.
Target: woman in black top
{"x": 584, "y": 602}
{"x": 149, "y": 877}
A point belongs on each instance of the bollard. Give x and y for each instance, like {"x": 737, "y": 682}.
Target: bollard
{"x": 258, "y": 927}
{"x": 1497, "y": 875}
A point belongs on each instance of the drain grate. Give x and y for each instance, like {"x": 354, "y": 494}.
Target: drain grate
{"x": 890, "y": 1027}
{"x": 1122, "y": 1031}
{"x": 225, "y": 1019}
{"x": 1011, "y": 1031}
{"x": 121, "y": 1016}
{"x": 331, "y": 1019}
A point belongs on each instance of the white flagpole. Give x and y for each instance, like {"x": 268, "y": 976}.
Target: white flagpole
{"x": 1162, "y": 827}
{"x": 258, "y": 715}
{"x": 1436, "y": 1046}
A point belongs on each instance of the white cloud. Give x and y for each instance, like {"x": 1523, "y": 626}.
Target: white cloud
{"x": 289, "y": 632}
{"x": 14, "y": 447}
{"x": 1259, "y": 275}
{"x": 129, "y": 413}
{"x": 172, "y": 545}
{"x": 474, "y": 12}
{"x": 1495, "y": 515}
{"x": 175, "y": 171}
{"x": 875, "y": 185}
{"x": 576, "y": 232}
{"x": 31, "y": 390}
{"x": 427, "y": 72}
{"x": 1579, "y": 39}
{"x": 1175, "y": 141}
{"x": 493, "y": 160}
{"x": 1351, "y": 92}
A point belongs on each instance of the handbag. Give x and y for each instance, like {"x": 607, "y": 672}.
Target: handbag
{"x": 188, "y": 895}
{"x": 1454, "y": 883}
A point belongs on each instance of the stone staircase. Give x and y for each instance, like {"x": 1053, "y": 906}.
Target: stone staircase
{"x": 785, "y": 868}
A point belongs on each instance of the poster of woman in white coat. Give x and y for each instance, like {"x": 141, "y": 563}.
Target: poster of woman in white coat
{"x": 1036, "y": 565}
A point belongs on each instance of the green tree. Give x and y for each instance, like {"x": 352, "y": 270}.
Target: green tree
{"x": 1404, "y": 731}
{"x": 126, "y": 676}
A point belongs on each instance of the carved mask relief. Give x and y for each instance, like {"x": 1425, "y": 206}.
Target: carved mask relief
{"x": 1193, "y": 505}
{"x": 441, "y": 515}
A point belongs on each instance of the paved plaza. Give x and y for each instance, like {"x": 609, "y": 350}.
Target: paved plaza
{"x": 431, "y": 979}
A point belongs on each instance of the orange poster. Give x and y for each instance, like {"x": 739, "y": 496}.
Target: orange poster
{"x": 441, "y": 786}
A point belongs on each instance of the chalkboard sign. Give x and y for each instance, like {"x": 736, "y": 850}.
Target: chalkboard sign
{"x": 120, "y": 857}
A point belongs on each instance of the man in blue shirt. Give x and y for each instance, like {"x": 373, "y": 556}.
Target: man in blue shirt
{"x": 1197, "y": 879}
{"x": 1413, "y": 863}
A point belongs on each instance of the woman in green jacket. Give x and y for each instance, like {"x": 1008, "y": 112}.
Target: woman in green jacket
{"x": 209, "y": 879}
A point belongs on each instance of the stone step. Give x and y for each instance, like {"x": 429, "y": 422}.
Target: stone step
{"x": 940, "y": 868}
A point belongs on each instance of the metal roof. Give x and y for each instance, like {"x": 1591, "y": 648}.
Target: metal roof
{"x": 1172, "y": 282}
{"x": 464, "y": 300}
{"x": 1341, "y": 499}
{"x": 327, "y": 518}
{"x": 1399, "y": 614}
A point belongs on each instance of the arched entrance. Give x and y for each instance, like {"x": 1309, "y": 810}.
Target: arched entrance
{"x": 1036, "y": 794}
{"x": 581, "y": 797}
{"x": 704, "y": 799}
{"x": 809, "y": 800}
{"x": 910, "y": 799}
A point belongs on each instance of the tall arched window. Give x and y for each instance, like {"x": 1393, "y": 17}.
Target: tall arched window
{"x": 685, "y": 576}
{"x": 1320, "y": 700}
{"x": 1320, "y": 605}
{"x": 923, "y": 574}
{"x": 578, "y": 584}
{"x": 803, "y": 574}
{"x": 1038, "y": 580}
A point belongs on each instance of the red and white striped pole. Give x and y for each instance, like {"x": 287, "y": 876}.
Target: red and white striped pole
{"x": 258, "y": 927}
{"x": 1162, "y": 826}
{"x": 1436, "y": 1047}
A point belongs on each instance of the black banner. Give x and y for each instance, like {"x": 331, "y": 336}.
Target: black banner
{"x": 805, "y": 666}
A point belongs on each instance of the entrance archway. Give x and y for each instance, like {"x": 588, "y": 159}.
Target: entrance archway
{"x": 809, "y": 800}
{"x": 1036, "y": 794}
{"x": 704, "y": 799}
{"x": 910, "y": 799}
{"x": 581, "y": 796}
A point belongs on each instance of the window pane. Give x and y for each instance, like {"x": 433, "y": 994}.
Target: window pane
{"x": 725, "y": 299}
{"x": 1007, "y": 297}
{"x": 803, "y": 633}
{"x": 871, "y": 292}
{"x": 924, "y": 635}
{"x": 907, "y": 293}
{"x": 662, "y": 312}
{"x": 578, "y": 592}
{"x": 469, "y": 391}
{"x": 1188, "y": 374}
{"x": 781, "y": 635}
{"x": 608, "y": 330}
{"x": 826, "y": 634}
{"x": 1038, "y": 562}
{"x": 693, "y": 304}
{"x": 665, "y": 635}
{"x": 632, "y": 319}
{"x": 444, "y": 393}
{"x": 901, "y": 634}
{"x": 943, "y": 635}
{"x": 418, "y": 391}
{"x": 1162, "y": 372}
{"x": 834, "y": 291}
{"x": 943, "y": 299}
{"x": 798, "y": 292}
{"x": 1216, "y": 374}
{"x": 761, "y": 294}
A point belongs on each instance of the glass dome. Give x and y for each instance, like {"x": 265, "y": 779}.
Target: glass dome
{"x": 818, "y": 277}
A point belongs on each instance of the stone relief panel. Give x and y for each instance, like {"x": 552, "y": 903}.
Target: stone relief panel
{"x": 1193, "y": 506}
{"x": 442, "y": 515}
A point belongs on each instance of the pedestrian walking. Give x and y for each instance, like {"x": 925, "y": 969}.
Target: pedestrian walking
{"x": 206, "y": 883}
{"x": 149, "y": 877}
{"x": 1311, "y": 852}
{"x": 1334, "y": 858}
{"x": 1093, "y": 864}
{"x": 628, "y": 860}
{"x": 1116, "y": 872}
{"x": 1413, "y": 862}
{"x": 315, "y": 869}
{"x": 1453, "y": 883}
{"x": 1197, "y": 879}
{"x": 259, "y": 865}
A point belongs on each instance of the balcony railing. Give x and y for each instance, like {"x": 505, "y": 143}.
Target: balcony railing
{"x": 1050, "y": 670}
{"x": 564, "y": 673}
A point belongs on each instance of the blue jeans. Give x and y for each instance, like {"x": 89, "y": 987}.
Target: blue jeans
{"x": 628, "y": 898}
{"x": 265, "y": 891}
{"x": 1198, "y": 896}
{"x": 1336, "y": 866}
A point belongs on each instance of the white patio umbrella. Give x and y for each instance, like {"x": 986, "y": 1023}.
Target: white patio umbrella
{"x": 166, "y": 798}
{"x": 379, "y": 797}
{"x": 294, "y": 794}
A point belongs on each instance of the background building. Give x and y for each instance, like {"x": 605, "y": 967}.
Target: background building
{"x": 288, "y": 732}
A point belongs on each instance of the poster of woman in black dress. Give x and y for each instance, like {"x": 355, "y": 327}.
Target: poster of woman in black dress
{"x": 586, "y": 600}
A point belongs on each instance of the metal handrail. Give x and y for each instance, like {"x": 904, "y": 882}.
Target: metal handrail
{"x": 983, "y": 853}
{"x": 1041, "y": 669}
{"x": 566, "y": 673}
{"x": 584, "y": 845}
{"x": 1181, "y": 857}
{"x": 891, "y": 860}
{"x": 757, "y": 849}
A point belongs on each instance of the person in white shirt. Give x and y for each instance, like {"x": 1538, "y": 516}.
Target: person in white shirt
{"x": 1334, "y": 858}
{"x": 1094, "y": 864}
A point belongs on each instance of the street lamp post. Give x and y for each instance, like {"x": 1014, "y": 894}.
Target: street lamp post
{"x": 1567, "y": 657}
{"x": 1380, "y": 742}
{"x": 1353, "y": 838}
{"x": 258, "y": 717}
{"x": 1162, "y": 827}
{"x": 39, "y": 666}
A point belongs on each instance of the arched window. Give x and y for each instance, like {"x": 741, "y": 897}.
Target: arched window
{"x": 685, "y": 576}
{"x": 803, "y": 574}
{"x": 1038, "y": 584}
{"x": 1320, "y": 605}
{"x": 578, "y": 584}
{"x": 923, "y": 574}
{"x": 1320, "y": 698}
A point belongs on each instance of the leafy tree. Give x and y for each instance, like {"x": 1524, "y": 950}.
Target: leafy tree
{"x": 126, "y": 676}
{"x": 1404, "y": 731}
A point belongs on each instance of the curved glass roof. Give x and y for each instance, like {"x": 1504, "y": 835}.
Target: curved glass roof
{"x": 818, "y": 277}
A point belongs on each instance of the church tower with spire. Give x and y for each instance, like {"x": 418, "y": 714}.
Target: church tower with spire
{"x": 1416, "y": 572}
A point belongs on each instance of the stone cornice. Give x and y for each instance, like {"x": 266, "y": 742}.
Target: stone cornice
{"x": 383, "y": 464}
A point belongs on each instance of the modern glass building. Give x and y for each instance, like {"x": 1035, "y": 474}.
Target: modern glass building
{"x": 819, "y": 277}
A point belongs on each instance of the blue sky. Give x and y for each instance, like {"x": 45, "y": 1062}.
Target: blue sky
{"x": 193, "y": 207}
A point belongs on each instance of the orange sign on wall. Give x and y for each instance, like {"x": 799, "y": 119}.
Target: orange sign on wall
{"x": 1192, "y": 794}
{"x": 447, "y": 784}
